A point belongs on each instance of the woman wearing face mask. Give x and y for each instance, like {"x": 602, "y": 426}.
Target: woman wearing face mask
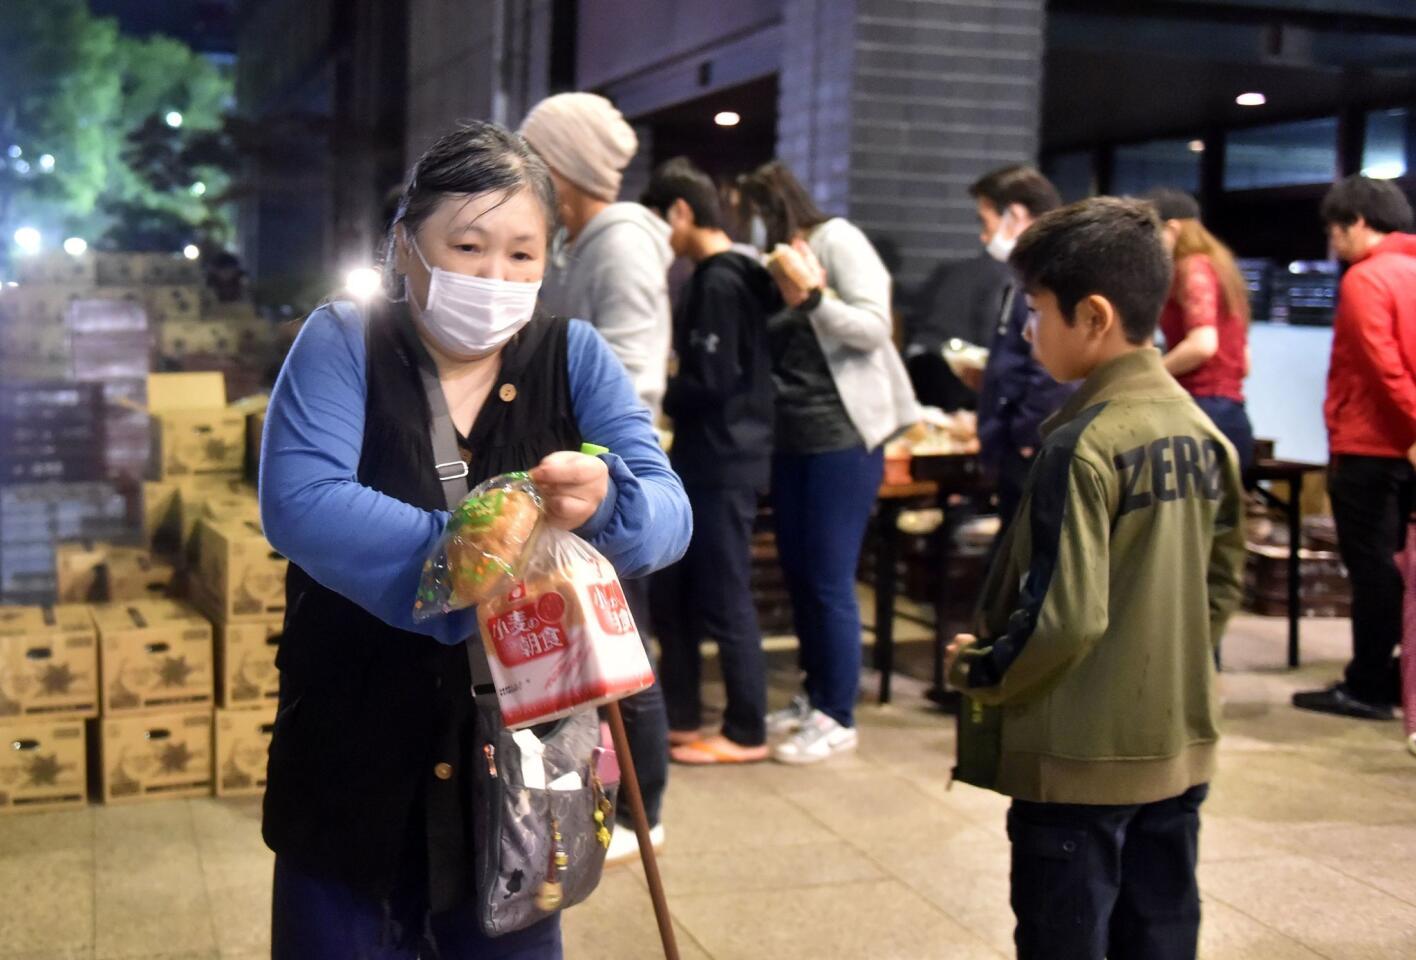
{"x": 842, "y": 391}
{"x": 1206, "y": 319}
{"x": 367, "y": 807}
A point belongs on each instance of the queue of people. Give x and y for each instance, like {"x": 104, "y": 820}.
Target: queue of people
{"x": 536, "y": 303}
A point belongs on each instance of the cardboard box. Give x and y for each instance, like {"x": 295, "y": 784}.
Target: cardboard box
{"x": 48, "y": 661}
{"x": 78, "y": 571}
{"x": 239, "y": 577}
{"x": 197, "y": 434}
{"x": 57, "y": 267}
{"x": 42, "y": 765}
{"x": 153, "y": 654}
{"x": 245, "y": 662}
{"x": 172, "y": 507}
{"x": 242, "y": 749}
{"x": 89, "y": 572}
{"x": 145, "y": 269}
{"x": 181, "y": 338}
{"x": 167, "y": 304}
{"x": 237, "y": 502}
{"x": 133, "y": 573}
{"x": 156, "y": 755}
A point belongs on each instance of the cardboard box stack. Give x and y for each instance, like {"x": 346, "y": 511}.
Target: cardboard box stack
{"x": 122, "y": 491}
{"x": 156, "y": 661}
{"x": 48, "y": 685}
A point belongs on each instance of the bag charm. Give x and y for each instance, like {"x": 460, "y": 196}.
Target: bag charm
{"x": 552, "y": 891}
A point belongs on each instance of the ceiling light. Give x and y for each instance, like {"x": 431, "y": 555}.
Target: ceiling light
{"x": 46, "y": 163}
{"x": 191, "y": 251}
{"x": 1251, "y": 99}
{"x": 1389, "y": 170}
{"x": 1197, "y": 146}
{"x": 75, "y": 246}
{"x": 727, "y": 118}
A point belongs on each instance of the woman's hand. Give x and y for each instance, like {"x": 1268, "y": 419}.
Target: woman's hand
{"x": 572, "y": 485}
{"x": 797, "y": 271}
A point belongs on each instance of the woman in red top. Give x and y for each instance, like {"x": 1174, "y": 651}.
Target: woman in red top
{"x": 1206, "y": 320}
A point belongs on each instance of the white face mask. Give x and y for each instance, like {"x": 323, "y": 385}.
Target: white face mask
{"x": 757, "y": 233}
{"x": 473, "y": 316}
{"x": 1001, "y": 244}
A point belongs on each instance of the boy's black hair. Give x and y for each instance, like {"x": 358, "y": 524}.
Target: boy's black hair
{"x": 680, "y": 179}
{"x": 1379, "y": 202}
{"x": 1104, "y": 246}
{"x": 1018, "y": 184}
{"x": 1173, "y": 204}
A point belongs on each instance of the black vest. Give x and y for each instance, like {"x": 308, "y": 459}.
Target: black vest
{"x": 367, "y": 711}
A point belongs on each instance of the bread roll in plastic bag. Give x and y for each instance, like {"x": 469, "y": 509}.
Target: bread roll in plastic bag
{"x": 561, "y": 638}
{"x": 482, "y": 550}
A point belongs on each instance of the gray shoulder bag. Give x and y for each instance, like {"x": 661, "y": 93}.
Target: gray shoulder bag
{"x": 539, "y": 846}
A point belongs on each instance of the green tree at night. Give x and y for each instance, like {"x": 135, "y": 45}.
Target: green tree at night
{"x": 91, "y": 143}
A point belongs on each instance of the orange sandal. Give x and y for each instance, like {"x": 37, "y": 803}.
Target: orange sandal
{"x": 711, "y": 751}
{"x": 684, "y": 738}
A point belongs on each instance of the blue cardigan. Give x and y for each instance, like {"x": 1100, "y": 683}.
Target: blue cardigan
{"x": 370, "y": 547}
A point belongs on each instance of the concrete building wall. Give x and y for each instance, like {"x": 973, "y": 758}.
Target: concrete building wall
{"x": 474, "y": 59}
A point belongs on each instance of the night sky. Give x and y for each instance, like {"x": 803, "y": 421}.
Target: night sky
{"x": 209, "y": 26}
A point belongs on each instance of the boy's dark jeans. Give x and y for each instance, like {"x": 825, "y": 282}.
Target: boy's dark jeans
{"x": 708, "y": 594}
{"x": 1106, "y": 882}
{"x": 1371, "y": 499}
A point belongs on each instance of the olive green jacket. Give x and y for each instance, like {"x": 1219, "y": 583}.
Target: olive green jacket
{"x": 1093, "y": 678}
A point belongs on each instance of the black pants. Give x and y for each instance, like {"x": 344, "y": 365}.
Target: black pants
{"x": 1104, "y": 882}
{"x": 646, "y": 725}
{"x": 1371, "y": 498}
{"x": 706, "y": 595}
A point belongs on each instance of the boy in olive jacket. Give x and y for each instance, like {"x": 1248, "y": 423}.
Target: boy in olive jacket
{"x": 1090, "y": 688}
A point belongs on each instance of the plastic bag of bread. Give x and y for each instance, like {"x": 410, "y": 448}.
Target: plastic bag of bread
{"x": 482, "y": 550}
{"x": 561, "y": 638}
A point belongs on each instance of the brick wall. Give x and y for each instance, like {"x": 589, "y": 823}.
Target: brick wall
{"x": 891, "y": 108}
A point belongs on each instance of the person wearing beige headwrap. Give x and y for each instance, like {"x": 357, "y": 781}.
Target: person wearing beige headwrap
{"x": 609, "y": 266}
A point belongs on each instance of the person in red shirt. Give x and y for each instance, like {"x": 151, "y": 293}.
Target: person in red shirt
{"x": 1371, "y": 421}
{"x": 1206, "y": 320}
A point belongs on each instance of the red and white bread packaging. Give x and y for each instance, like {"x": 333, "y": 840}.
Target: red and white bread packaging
{"x": 562, "y": 639}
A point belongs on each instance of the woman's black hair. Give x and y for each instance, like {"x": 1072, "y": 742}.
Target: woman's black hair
{"x": 774, "y": 194}
{"x": 475, "y": 158}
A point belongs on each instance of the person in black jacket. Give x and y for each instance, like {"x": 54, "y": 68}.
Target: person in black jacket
{"x": 721, "y": 401}
{"x": 1016, "y": 394}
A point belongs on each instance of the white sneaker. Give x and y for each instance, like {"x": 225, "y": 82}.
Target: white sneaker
{"x": 789, "y": 719}
{"x": 820, "y": 738}
{"x": 624, "y": 843}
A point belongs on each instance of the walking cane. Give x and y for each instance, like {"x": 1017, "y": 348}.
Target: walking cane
{"x": 630, "y": 782}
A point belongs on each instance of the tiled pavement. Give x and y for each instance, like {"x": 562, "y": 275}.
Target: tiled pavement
{"x": 1308, "y": 850}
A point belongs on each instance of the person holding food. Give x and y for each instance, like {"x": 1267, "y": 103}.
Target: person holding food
{"x": 369, "y": 784}
{"x": 842, "y": 392}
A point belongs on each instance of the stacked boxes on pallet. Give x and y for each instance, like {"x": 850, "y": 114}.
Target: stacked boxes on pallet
{"x": 48, "y": 686}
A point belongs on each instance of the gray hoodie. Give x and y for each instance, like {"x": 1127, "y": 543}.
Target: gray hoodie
{"x": 615, "y": 275}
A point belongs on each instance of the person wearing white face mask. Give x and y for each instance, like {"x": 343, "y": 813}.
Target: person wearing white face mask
{"x": 370, "y": 778}
{"x": 1015, "y": 393}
